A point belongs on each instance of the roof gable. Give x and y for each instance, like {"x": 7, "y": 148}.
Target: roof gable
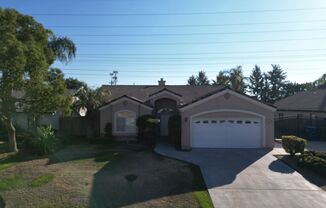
{"x": 121, "y": 99}
{"x": 144, "y": 92}
{"x": 221, "y": 92}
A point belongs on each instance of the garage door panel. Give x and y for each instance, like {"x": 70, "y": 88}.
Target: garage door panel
{"x": 226, "y": 133}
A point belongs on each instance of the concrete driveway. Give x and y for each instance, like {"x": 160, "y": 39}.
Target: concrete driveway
{"x": 250, "y": 178}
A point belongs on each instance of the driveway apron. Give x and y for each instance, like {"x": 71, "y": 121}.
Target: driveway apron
{"x": 250, "y": 178}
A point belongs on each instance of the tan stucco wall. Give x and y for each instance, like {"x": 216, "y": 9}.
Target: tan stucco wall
{"x": 234, "y": 102}
{"x": 107, "y": 114}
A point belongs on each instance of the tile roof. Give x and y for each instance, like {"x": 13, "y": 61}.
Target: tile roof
{"x": 143, "y": 92}
{"x": 304, "y": 101}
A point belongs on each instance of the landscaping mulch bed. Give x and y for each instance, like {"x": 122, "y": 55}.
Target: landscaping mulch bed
{"x": 310, "y": 175}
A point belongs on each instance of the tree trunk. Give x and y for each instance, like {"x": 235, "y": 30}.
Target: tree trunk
{"x": 12, "y": 137}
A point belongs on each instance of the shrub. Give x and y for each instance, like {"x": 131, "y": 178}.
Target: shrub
{"x": 43, "y": 142}
{"x": 175, "y": 130}
{"x": 142, "y": 125}
{"x": 293, "y": 144}
{"x": 108, "y": 130}
{"x": 147, "y": 129}
{"x": 315, "y": 161}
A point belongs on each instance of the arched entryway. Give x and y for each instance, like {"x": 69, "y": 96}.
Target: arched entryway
{"x": 164, "y": 108}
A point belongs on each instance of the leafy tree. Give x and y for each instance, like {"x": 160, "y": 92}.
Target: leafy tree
{"x": 192, "y": 80}
{"x": 237, "y": 79}
{"x": 27, "y": 50}
{"x": 200, "y": 79}
{"x": 75, "y": 84}
{"x": 48, "y": 98}
{"x": 291, "y": 88}
{"x": 256, "y": 82}
{"x": 276, "y": 80}
{"x": 321, "y": 82}
{"x": 222, "y": 79}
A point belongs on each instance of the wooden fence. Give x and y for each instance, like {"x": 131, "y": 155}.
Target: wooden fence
{"x": 79, "y": 126}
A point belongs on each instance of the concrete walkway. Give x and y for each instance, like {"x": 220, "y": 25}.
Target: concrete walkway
{"x": 249, "y": 178}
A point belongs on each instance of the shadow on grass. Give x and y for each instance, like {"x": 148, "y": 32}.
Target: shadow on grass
{"x": 2, "y": 202}
{"x": 143, "y": 176}
{"x": 100, "y": 153}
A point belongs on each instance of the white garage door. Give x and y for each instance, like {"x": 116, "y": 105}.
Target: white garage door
{"x": 226, "y": 133}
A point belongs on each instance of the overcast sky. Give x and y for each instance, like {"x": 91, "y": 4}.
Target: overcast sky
{"x": 148, "y": 39}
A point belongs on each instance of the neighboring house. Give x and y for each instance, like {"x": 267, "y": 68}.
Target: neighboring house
{"x": 21, "y": 118}
{"x": 309, "y": 104}
{"x": 212, "y": 116}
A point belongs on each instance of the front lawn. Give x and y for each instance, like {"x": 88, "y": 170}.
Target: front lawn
{"x": 95, "y": 176}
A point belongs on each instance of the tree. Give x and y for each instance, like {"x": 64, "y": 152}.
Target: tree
{"x": 91, "y": 99}
{"x": 222, "y": 79}
{"x": 48, "y": 98}
{"x": 200, "y": 79}
{"x": 27, "y": 50}
{"x": 276, "y": 80}
{"x": 237, "y": 80}
{"x": 265, "y": 90}
{"x": 256, "y": 82}
{"x": 320, "y": 82}
{"x": 192, "y": 80}
{"x": 233, "y": 78}
{"x": 74, "y": 84}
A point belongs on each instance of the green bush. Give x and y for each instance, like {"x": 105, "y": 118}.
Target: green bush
{"x": 108, "y": 130}
{"x": 175, "y": 130}
{"x": 141, "y": 123}
{"x": 315, "y": 161}
{"x": 293, "y": 144}
{"x": 147, "y": 129}
{"x": 43, "y": 142}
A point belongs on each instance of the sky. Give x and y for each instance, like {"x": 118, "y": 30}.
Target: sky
{"x": 145, "y": 40}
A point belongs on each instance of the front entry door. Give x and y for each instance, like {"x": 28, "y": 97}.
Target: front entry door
{"x": 164, "y": 124}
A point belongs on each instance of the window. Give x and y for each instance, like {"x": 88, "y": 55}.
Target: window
{"x": 231, "y": 121}
{"x": 213, "y": 121}
{"x": 239, "y": 122}
{"x": 205, "y": 121}
{"x": 248, "y": 122}
{"x": 197, "y": 122}
{"x": 125, "y": 121}
{"x": 222, "y": 121}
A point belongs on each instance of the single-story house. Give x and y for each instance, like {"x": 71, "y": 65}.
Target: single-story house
{"x": 212, "y": 116}
{"x": 307, "y": 104}
{"x": 22, "y": 120}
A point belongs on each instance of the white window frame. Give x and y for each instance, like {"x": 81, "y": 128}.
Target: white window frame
{"x": 116, "y": 124}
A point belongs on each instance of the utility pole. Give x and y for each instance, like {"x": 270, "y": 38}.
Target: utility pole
{"x": 114, "y": 78}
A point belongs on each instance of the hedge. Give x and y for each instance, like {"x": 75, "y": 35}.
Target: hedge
{"x": 175, "y": 130}
{"x": 293, "y": 144}
{"x": 315, "y": 161}
{"x": 147, "y": 129}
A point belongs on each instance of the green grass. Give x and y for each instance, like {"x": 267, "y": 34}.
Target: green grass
{"x": 42, "y": 180}
{"x": 10, "y": 183}
{"x": 9, "y": 161}
{"x": 200, "y": 192}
